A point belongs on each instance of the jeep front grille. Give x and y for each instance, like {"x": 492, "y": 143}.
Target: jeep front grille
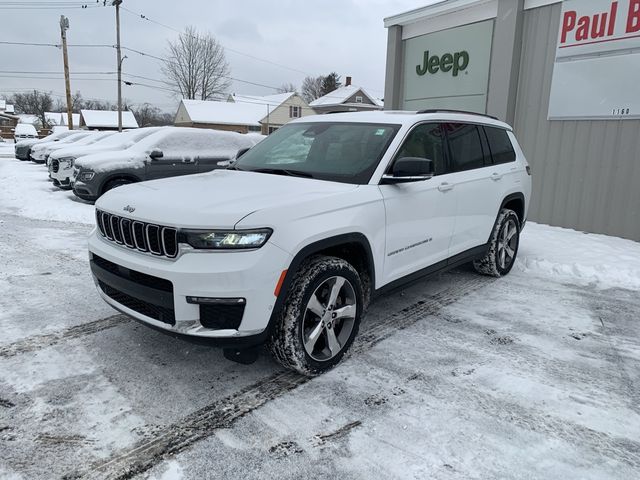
{"x": 145, "y": 237}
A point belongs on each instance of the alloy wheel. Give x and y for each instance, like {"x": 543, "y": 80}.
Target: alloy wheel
{"x": 329, "y": 318}
{"x": 507, "y": 244}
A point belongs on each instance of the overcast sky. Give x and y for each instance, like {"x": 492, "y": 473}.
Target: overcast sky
{"x": 310, "y": 37}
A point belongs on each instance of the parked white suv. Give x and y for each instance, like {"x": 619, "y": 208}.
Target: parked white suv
{"x": 289, "y": 245}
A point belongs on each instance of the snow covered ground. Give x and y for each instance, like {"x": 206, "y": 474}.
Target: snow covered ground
{"x": 534, "y": 375}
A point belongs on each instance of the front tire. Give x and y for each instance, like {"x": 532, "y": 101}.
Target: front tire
{"x": 320, "y": 316}
{"x": 503, "y": 246}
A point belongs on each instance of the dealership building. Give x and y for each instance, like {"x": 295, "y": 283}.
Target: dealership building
{"x": 566, "y": 75}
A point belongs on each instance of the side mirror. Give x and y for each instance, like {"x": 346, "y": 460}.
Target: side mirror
{"x": 155, "y": 153}
{"x": 241, "y": 152}
{"x": 410, "y": 169}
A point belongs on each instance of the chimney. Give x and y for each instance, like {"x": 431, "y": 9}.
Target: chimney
{"x": 347, "y": 82}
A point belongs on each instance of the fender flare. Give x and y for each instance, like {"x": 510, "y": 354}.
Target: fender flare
{"x": 309, "y": 250}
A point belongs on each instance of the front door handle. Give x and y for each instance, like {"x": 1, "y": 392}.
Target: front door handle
{"x": 496, "y": 176}
{"x": 188, "y": 160}
{"x": 445, "y": 187}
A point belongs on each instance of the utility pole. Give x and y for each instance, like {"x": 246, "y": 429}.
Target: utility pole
{"x": 117, "y": 3}
{"x": 64, "y": 26}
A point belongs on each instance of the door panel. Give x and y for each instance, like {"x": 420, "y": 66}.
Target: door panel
{"x": 420, "y": 220}
{"x": 169, "y": 166}
{"x": 478, "y": 186}
{"x": 420, "y": 215}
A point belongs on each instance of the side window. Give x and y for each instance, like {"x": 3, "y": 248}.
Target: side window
{"x": 465, "y": 146}
{"x": 425, "y": 141}
{"x": 500, "y": 145}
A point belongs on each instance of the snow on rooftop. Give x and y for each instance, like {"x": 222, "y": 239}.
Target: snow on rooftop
{"x": 107, "y": 119}
{"x": 341, "y": 95}
{"x": 225, "y": 113}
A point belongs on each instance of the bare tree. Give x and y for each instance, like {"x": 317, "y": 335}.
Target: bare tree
{"x": 34, "y": 103}
{"x": 287, "y": 87}
{"x": 197, "y": 67}
{"x": 77, "y": 103}
{"x": 312, "y": 88}
{"x": 149, "y": 116}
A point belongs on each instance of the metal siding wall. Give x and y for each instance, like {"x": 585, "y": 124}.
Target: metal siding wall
{"x": 586, "y": 174}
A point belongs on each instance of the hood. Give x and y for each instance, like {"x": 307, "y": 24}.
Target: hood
{"x": 218, "y": 199}
{"x": 82, "y": 151}
{"x": 106, "y": 161}
{"x": 26, "y": 143}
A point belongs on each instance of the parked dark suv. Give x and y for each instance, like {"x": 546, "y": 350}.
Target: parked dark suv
{"x": 170, "y": 152}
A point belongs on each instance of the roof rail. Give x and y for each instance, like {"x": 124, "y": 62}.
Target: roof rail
{"x": 447, "y": 110}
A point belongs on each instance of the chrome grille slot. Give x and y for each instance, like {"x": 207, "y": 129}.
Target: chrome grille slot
{"x": 99, "y": 222}
{"x": 115, "y": 228}
{"x": 127, "y": 236}
{"x": 106, "y": 221}
{"x": 170, "y": 242}
{"x": 153, "y": 239}
{"x": 145, "y": 237}
{"x": 139, "y": 236}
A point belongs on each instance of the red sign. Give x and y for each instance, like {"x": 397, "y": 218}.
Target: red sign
{"x": 620, "y": 21}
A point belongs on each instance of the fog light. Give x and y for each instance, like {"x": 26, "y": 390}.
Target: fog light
{"x": 217, "y": 301}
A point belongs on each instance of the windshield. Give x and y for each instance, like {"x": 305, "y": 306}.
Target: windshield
{"x": 126, "y": 137}
{"x": 335, "y": 151}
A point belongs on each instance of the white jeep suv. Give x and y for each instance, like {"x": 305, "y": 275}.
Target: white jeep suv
{"x": 289, "y": 244}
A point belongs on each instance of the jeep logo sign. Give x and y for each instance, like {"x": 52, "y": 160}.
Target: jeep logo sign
{"x": 455, "y": 63}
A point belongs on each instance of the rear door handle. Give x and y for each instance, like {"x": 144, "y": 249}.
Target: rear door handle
{"x": 445, "y": 187}
{"x": 496, "y": 176}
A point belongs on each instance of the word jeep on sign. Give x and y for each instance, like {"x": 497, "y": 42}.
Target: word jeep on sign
{"x": 454, "y": 63}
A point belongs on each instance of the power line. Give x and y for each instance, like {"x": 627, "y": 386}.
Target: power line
{"x": 144, "y": 17}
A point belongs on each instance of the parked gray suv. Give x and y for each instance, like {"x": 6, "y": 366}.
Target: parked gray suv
{"x": 169, "y": 152}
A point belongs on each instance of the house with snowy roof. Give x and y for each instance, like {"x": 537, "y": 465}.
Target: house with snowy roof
{"x": 348, "y": 98}
{"x": 243, "y": 113}
{"x": 58, "y": 119}
{"x": 106, "y": 120}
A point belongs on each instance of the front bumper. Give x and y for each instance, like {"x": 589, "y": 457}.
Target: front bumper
{"x": 39, "y": 157}
{"x": 154, "y": 290}
{"x": 60, "y": 173}
{"x": 86, "y": 191}
{"x": 23, "y": 153}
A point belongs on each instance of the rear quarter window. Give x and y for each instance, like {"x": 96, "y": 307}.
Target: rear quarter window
{"x": 501, "y": 148}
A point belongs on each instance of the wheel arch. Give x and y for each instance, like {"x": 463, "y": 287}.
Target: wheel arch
{"x": 352, "y": 247}
{"x": 118, "y": 176}
{"x": 515, "y": 202}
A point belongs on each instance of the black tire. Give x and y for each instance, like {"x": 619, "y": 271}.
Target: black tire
{"x": 498, "y": 262}
{"x": 118, "y": 182}
{"x": 287, "y": 342}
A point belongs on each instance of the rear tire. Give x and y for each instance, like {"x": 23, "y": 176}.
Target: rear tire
{"x": 320, "y": 316}
{"x": 503, "y": 246}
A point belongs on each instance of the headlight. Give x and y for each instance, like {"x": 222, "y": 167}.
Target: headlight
{"x": 226, "y": 239}
{"x": 86, "y": 176}
{"x": 66, "y": 162}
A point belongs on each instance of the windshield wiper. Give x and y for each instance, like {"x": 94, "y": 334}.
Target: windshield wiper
{"x": 282, "y": 171}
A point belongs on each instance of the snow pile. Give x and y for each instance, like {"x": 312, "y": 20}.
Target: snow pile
{"x": 27, "y": 191}
{"x": 574, "y": 256}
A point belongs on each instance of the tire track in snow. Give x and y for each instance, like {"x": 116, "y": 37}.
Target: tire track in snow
{"x": 38, "y": 342}
{"x": 204, "y": 422}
